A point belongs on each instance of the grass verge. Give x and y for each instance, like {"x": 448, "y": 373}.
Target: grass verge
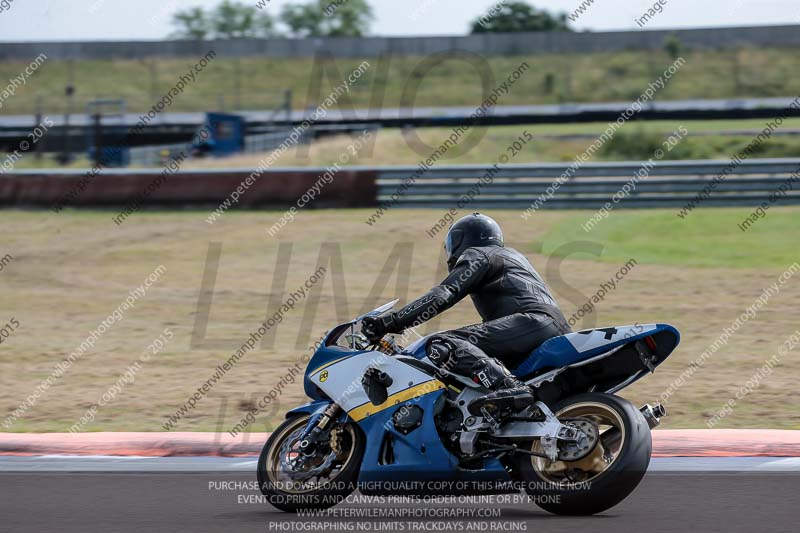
{"x": 71, "y": 270}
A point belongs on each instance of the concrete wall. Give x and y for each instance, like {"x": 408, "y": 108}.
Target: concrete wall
{"x": 485, "y": 44}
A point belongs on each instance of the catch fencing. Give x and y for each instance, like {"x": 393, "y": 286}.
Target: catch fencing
{"x": 486, "y": 44}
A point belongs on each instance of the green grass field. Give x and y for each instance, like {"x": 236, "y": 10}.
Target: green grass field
{"x": 69, "y": 271}
{"x": 709, "y": 238}
{"x": 256, "y": 83}
{"x": 635, "y": 141}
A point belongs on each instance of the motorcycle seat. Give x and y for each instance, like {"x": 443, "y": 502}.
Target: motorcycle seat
{"x": 572, "y": 348}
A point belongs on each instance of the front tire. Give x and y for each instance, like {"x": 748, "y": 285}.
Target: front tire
{"x": 605, "y": 477}
{"x": 334, "y": 483}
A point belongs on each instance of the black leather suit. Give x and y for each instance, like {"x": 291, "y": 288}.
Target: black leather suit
{"x": 518, "y": 311}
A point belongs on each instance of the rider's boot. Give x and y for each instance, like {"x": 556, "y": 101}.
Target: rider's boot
{"x": 509, "y": 395}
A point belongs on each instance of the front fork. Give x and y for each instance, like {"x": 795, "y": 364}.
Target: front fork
{"x": 318, "y": 429}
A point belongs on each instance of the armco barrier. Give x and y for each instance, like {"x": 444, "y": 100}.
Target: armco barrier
{"x": 273, "y": 188}
{"x": 668, "y": 184}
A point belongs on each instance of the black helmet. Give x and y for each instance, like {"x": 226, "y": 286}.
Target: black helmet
{"x": 472, "y": 230}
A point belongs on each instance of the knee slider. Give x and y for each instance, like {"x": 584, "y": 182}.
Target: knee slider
{"x": 440, "y": 351}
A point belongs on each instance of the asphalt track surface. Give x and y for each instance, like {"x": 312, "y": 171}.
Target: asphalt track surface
{"x": 56, "y": 493}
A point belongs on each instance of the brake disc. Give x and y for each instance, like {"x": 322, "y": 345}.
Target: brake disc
{"x": 302, "y": 467}
{"x": 589, "y": 436}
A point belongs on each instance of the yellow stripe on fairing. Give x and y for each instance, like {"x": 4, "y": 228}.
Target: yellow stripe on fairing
{"x": 367, "y": 409}
{"x": 326, "y": 365}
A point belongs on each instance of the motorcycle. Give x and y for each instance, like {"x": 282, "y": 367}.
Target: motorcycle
{"x": 381, "y": 414}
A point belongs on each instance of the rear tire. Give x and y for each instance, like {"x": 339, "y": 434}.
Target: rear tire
{"x": 330, "y": 492}
{"x": 593, "y": 490}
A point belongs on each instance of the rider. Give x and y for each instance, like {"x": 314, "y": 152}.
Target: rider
{"x": 519, "y": 313}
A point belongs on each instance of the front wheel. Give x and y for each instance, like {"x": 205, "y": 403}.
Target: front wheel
{"x": 291, "y": 480}
{"x": 604, "y": 477}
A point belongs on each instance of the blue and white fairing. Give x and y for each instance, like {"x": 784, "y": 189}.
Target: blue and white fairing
{"x": 572, "y": 348}
{"x": 334, "y": 373}
{"x": 575, "y": 347}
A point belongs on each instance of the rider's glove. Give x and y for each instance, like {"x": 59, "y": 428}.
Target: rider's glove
{"x": 375, "y": 327}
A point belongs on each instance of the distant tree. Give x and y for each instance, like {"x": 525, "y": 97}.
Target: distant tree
{"x": 265, "y": 25}
{"x": 233, "y": 20}
{"x": 303, "y": 20}
{"x": 519, "y": 16}
{"x": 229, "y": 20}
{"x": 351, "y": 19}
{"x": 328, "y": 18}
{"x": 673, "y": 46}
{"x": 191, "y": 23}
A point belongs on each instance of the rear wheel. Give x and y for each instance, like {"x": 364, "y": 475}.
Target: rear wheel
{"x": 292, "y": 481}
{"x": 604, "y": 477}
